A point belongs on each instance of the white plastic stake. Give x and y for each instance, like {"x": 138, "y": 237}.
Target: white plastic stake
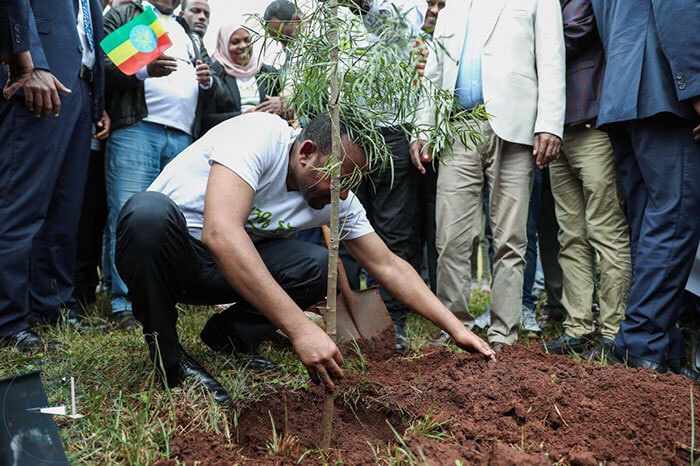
{"x": 73, "y": 406}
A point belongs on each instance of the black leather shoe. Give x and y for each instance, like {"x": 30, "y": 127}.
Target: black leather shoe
{"x": 401, "y": 342}
{"x": 497, "y": 347}
{"x": 76, "y": 321}
{"x": 188, "y": 369}
{"x": 565, "y": 344}
{"x": 695, "y": 362}
{"x": 440, "y": 339}
{"x": 600, "y": 351}
{"x": 125, "y": 320}
{"x": 27, "y": 340}
{"x": 624, "y": 357}
{"x": 679, "y": 367}
{"x": 226, "y": 344}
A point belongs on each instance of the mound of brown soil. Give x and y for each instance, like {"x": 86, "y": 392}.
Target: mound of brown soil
{"x": 526, "y": 408}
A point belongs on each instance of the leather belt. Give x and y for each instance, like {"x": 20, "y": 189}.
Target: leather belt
{"x": 86, "y": 74}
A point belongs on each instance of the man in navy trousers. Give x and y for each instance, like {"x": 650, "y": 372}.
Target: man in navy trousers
{"x": 45, "y": 131}
{"x": 650, "y": 107}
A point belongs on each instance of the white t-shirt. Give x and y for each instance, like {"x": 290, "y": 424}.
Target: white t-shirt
{"x": 256, "y": 147}
{"x": 249, "y": 92}
{"x": 172, "y": 100}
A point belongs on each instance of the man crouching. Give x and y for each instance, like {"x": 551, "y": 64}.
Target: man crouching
{"x": 216, "y": 227}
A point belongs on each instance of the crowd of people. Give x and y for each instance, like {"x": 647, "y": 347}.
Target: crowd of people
{"x": 193, "y": 181}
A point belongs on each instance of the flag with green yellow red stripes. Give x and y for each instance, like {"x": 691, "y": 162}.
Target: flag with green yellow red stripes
{"x": 137, "y": 43}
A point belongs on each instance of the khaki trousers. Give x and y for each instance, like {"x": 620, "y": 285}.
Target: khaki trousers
{"x": 508, "y": 170}
{"x": 589, "y": 211}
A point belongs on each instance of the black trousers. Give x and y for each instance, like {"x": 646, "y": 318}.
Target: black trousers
{"x": 391, "y": 209}
{"x": 163, "y": 265}
{"x": 425, "y": 218}
{"x": 92, "y": 223}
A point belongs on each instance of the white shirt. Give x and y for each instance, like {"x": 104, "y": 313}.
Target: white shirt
{"x": 172, "y": 100}
{"x": 88, "y": 55}
{"x": 249, "y": 92}
{"x": 256, "y": 147}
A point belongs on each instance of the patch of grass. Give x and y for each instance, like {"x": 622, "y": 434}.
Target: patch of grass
{"x": 430, "y": 426}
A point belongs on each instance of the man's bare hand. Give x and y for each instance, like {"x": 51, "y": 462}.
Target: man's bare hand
{"x": 21, "y": 67}
{"x": 41, "y": 93}
{"x": 319, "y": 355}
{"x": 162, "y": 66}
{"x": 419, "y": 148}
{"x": 103, "y": 127}
{"x": 469, "y": 341}
{"x": 203, "y": 73}
{"x": 546, "y": 148}
{"x": 696, "y": 105}
{"x": 272, "y": 105}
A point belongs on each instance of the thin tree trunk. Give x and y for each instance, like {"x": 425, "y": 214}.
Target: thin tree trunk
{"x": 329, "y": 396}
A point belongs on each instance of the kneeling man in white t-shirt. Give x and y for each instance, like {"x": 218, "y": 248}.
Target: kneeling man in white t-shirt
{"x": 217, "y": 226}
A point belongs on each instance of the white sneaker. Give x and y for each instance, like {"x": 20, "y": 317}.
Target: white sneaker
{"x": 528, "y": 320}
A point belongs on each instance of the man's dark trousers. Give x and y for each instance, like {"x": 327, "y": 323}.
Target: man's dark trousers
{"x": 162, "y": 264}
{"x": 659, "y": 166}
{"x": 43, "y": 166}
{"x": 390, "y": 198}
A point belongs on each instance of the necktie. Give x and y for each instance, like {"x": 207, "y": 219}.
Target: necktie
{"x": 87, "y": 24}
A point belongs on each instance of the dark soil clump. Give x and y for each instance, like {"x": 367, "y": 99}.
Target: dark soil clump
{"x": 526, "y": 409}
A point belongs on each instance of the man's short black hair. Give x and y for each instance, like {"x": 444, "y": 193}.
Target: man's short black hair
{"x": 319, "y": 131}
{"x": 183, "y": 5}
{"x": 283, "y": 10}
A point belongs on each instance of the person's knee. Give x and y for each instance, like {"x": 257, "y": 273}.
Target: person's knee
{"x": 143, "y": 224}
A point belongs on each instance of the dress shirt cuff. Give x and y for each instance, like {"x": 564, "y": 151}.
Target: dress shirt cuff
{"x": 208, "y": 86}
{"x": 142, "y": 74}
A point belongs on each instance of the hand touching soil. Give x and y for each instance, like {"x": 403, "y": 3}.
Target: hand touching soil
{"x": 470, "y": 342}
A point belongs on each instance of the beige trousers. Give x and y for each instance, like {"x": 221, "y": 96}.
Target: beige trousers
{"x": 589, "y": 211}
{"x": 507, "y": 168}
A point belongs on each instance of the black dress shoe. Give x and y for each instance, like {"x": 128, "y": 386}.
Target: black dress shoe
{"x": 27, "y": 340}
{"x": 441, "y": 339}
{"x": 188, "y": 369}
{"x": 600, "y": 351}
{"x": 228, "y": 344}
{"x": 679, "y": 367}
{"x": 125, "y": 320}
{"x": 401, "y": 342}
{"x": 624, "y": 357}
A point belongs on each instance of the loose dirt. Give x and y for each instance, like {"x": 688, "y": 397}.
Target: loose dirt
{"x": 528, "y": 408}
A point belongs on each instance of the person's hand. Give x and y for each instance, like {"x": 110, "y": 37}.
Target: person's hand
{"x": 21, "y": 67}
{"x": 271, "y": 105}
{"x": 469, "y": 341}
{"x": 41, "y": 93}
{"x": 319, "y": 355}
{"x": 103, "y": 127}
{"x": 419, "y": 148}
{"x": 696, "y": 104}
{"x": 162, "y": 66}
{"x": 203, "y": 73}
{"x": 546, "y": 148}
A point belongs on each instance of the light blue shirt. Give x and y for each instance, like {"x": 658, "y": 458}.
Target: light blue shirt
{"x": 468, "y": 90}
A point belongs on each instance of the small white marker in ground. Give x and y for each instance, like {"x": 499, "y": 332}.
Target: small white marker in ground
{"x": 73, "y": 405}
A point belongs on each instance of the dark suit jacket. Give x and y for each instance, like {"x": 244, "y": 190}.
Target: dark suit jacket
{"x": 652, "y": 48}
{"x": 14, "y": 26}
{"x": 585, "y": 61}
{"x": 55, "y": 45}
{"x": 228, "y": 102}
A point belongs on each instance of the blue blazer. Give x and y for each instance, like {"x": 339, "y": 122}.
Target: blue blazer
{"x": 14, "y": 26}
{"x": 55, "y": 45}
{"x": 652, "y": 49}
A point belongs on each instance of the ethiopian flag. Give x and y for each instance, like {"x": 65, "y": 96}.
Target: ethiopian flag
{"x": 137, "y": 43}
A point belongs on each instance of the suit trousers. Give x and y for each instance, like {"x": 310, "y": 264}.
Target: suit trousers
{"x": 659, "y": 165}
{"x": 43, "y": 167}
{"x": 507, "y": 169}
{"x": 162, "y": 265}
{"x": 390, "y": 199}
{"x": 589, "y": 211}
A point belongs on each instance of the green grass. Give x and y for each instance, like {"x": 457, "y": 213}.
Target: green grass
{"x": 131, "y": 419}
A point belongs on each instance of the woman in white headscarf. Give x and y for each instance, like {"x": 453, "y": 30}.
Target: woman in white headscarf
{"x": 247, "y": 84}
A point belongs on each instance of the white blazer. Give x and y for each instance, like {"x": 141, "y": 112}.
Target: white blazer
{"x": 523, "y": 65}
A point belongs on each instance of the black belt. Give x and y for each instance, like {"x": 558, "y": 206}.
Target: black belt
{"x": 86, "y": 74}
